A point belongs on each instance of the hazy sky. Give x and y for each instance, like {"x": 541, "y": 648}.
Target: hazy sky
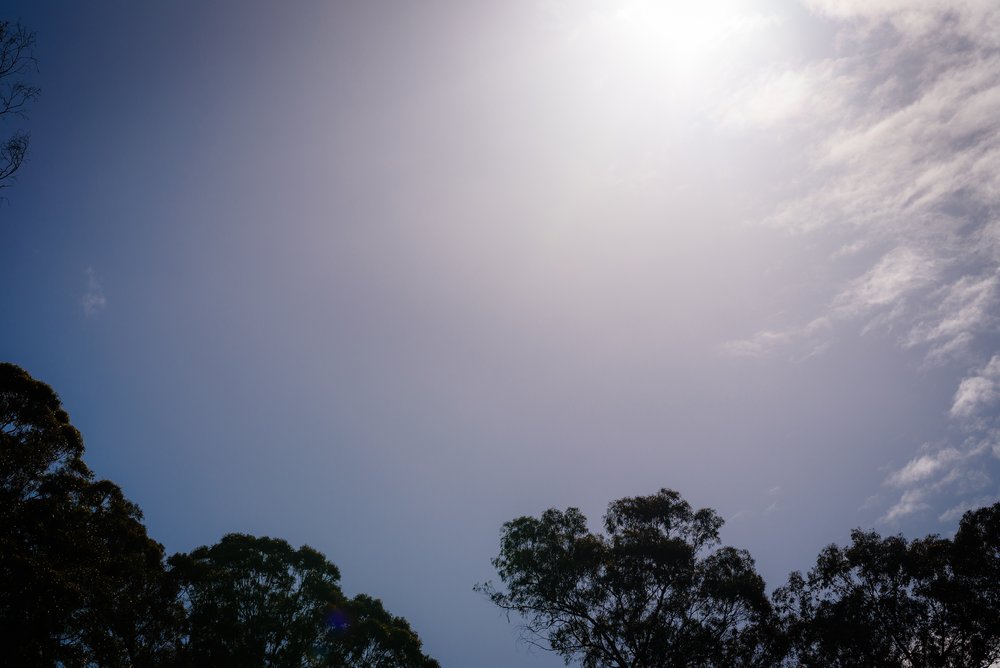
{"x": 378, "y": 277}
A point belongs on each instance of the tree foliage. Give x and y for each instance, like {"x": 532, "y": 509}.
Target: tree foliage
{"x": 892, "y": 602}
{"x": 375, "y": 638}
{"x": 80, "y": 581}
{"x": 259, "y": 602}
{"x": 256, "y": 602}
{"x": 652, "y": 591}
{"x": 82, "y": 584}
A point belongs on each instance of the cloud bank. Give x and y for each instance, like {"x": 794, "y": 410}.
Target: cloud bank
{"x": 902, "y": 138}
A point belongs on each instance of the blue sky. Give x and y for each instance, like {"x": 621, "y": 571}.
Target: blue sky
{"x": 378, "y": 277}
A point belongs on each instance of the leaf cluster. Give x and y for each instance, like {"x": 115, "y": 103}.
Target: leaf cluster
{"x": 656, "y": 590}
{"x": 652, "y": 590}
{"x": 893, "y": 602}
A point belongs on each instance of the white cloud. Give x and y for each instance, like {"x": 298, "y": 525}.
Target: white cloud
{"x": 93, "y": 300}
{"x": 964, "y": 310}
{"x": 783, "y": 96}
{"x": 805, "y": 342}
{"x": 918, "y": 18}
{"x": 900, "y": 272}
{"x": 956, "y": 511}
{"x": 911, "y": 502}
{"x": 939, "y": 474}
{"x": 922, "y": 467}
{"x": 978, "y": 390}
{"x": 900, "y": 137}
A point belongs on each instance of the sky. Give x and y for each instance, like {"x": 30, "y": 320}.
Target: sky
{"x": 378, "y": 277}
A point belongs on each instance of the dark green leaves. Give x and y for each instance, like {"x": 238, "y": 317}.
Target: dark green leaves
{"x": 259, "y": 602}
{"x": 892, "y": 602}
{"x": 649, "y": 592}
{"x": 80, "y": 581}
{"x": 81, "y": 584}
{"x": 255, "y": 601}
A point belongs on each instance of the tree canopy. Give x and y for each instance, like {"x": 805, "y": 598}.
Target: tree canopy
{"x": 82, "y": 584}
{"x": 653, "y": 590}
{"x": 255, "y": 601}
{"x": 80, "y": 581}
{"x": 892, "y": 602}
{"x": 259, "y": 602}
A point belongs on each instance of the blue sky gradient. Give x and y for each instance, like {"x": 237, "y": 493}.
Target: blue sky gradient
{"x": 378, "y": 277}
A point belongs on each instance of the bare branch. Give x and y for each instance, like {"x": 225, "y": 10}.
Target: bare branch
{"x": 12, "y": 154}
{"x": 17, "y": 58}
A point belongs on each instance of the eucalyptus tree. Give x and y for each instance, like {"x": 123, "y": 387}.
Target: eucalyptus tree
{"x": 654, "y": 590}
{"x": 257, "y": 601}
{"x": 80, "y": 581}
{"x": 929, "y": 602}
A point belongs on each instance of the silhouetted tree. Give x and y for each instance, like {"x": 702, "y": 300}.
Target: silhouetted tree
{"x": 81, "y": 584}
{"x": 80, "y": 581}
{"x": 891, "y": 602}
{"x": 258, "y": 602}
{"x": 652, "y": 592}
{"x": 17, "y": 58}
{"x": 374, "y": 638}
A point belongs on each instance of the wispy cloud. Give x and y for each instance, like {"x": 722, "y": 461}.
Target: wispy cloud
{"x": 920, "y": 468}
{"x": 93, "y": 300}
{"x": 901, "y": 138}
{"x": 979, "y": 390}
{"x": 911, "y": 501}
{"x": 917, "y": 18}
{"x": 956, "y": 511}
{"x": 899, "y": 272}
{"x": 773, "y": 501}
{"x": 806, "y": 341}
{"x": 963, "y": 310}
{"x": 937, "y": 471}
{"x": 956, "y": 471}
{"x": 939, "y": 474}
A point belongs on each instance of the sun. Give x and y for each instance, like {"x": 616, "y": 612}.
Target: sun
{"x": 684, "y": 29}
{"x": 678, "y": 39}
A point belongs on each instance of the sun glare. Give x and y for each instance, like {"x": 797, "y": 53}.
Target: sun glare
{"x": 680, "y": 39}
{"x": 686, "y": 30}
